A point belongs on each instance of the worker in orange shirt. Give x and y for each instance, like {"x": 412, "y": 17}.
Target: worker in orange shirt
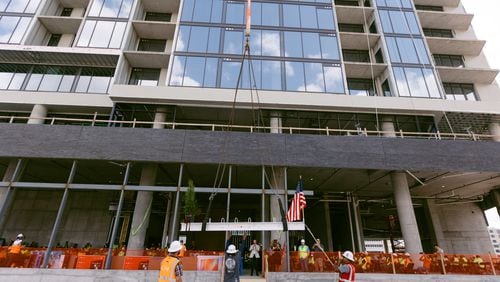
{"x": 183, "y": 250}
{"x": 15, "y": 248}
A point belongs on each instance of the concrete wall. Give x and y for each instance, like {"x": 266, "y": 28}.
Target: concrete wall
{"x": 86, "y": 217}
{"x": 460, "y": 228}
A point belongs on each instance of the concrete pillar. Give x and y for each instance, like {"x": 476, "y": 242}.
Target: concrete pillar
{"x": 328, "y": 226}
{"x": 388, "y": 127}
{"x": 406, "y": 213}
{"x": 38, "y": 114}
{"x": 494, "y": 128}
{"x": 278, "y": 182}
{"x": 144, "y": 200}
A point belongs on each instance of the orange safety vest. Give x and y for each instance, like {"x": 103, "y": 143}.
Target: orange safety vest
{"x": 182, "y": 252}
{"x": 15, "y": 249}
{"x": 348, "y": 276}
{"x": 167, "y": 269}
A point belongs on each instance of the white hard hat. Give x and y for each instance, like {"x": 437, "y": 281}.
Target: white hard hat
{"x": 231, "y": 249}
{"x": 20, "y": 235}
{"x": 175, "y": 246}
{"x": 348, "y": 255}
{"x": 302, "y": 241}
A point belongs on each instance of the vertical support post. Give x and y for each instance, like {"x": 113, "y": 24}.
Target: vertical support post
{"x": 173, "y": 228}
{"x": 350, "y": 222}
{"x": 60, "y": 212}
{"x": 287, "y": 232}
{"x": 7, "y": 198}
{"x": 263, "y": 212}
{"x": 167, "y": 221}
{"x": 109, "y": 257}
{"x": 355, "y": 209}
{"x": 228, "y": 205}
{"x": 328, "y": 225}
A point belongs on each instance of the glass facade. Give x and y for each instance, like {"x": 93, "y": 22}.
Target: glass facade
{"x": 294, "y": 46}
{"x": 412, "y": 68}
{"x": 55, "y": 78}
{"x": 15, "y": 17}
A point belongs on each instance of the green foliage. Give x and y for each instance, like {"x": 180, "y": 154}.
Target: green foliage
{"x": 190, "y": 203}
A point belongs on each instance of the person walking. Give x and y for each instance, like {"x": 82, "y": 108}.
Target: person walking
{"x": 304, "y": 254}
{"x": 231, "y": 265}
{"x": 318, "y": 250}
{"x": 254, "y": 256}
{"x": 346, "y": 269}
{"x": 183, "y": 250}
{"x": 171, "y": 266}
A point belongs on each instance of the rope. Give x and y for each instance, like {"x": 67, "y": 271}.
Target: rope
{"x": 322, "y": 250}
{"x": 146, "y": 215}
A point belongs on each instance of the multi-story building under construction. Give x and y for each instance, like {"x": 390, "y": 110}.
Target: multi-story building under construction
{"x": 387, "y": 109}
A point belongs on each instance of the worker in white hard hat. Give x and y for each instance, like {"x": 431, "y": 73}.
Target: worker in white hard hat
{"x": 171, "y": 266}
{"x": 346, "y": 269}
{"x": 231, "y": 265}
{"x": 15, "y": 248}
{"x": 304, "y": 253}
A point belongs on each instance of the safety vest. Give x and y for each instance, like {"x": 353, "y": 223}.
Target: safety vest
{"x": 182, "y": 252}
{"x": 167, "y": 269}
{"x": 348, "y": 276}
{"x": 303, "y": 249}
{"x": 15, "y": 249}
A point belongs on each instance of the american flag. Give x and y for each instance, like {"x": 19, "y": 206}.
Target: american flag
{"x": 298, "y": 204}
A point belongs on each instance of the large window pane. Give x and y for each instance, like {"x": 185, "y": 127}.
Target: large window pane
{"x": 216, "y": 11}
{"x": 416, "y": 82}
{"x": 293, "y": 44}
{"x": 421, "y": 51}
{"x": 230, "y": 72}
{"x": 257, "y": 13}
{"x": 88, "y": 28}
{"x": 294, "y": 76}
{"x": 325, "y": 19}
{"x": 399, "y": 24}
{"x": 214, "y": 40}
{"x": 270, "y": 14}
{"x": 407, "y": 51}
{"x": 3, "y": 5}
{"x": 35, "y": 79}
{"x": 198, "y": 39}
{"x": 431, "y": 82}
{"x": 21, "y": 28}
{"x": 334, "y": 80}
{"x": 271, "y": 75}
{"x": 177, "y": 71}
{"x": 102, "y": 34}
{"x": 235, "y": 13}
{"x": 195, "y": 67}
{"x": 111, "y": 8}
{"x": 210, "y": 78}
{"x": 17, "y": 81}
{"x": 17, "y": 6}
{"x": 99, "y": 84}
{"x": 311, "y": 45}
{"x": 66, "y": 83}
{"x": 7, "y": 26}
{"x": 182, "y": 38}
{"x": 329, "y": 47}
{"x": 401, "y": 83}
{"x": 5, "y": 78}
{"x": 125, "y": 9}
{"x": 83, "y": 83}
{"x": 315, "y": 82}
{"x": 291, "y": 15}
{"x": 51, "y": 79}
{"x": 32, "y": 6}
{"x": 271, "y": 43}
{"x": 412, "y": 22}
{"x": 116, "y": 39}
{"x": 233, "y": 42}
{"x": 308, "y": 17}
{"x": 201, "y": 11}
{"x": 187, "y": 10}
{"x": 386, "y": 21}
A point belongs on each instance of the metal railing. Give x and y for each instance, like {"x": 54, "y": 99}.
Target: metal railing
{"x": 95, "y": 121}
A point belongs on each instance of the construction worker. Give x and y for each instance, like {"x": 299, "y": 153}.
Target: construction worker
{"x": 15, "y": 248}
{"x": 346, "y": 269}
{"x": 171, "y": 266}
{"x": 304, "y": 253}
{"x": 182, "y": 253}
{"x": 231, "y": 265}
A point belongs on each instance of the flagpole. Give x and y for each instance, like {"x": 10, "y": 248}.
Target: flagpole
{"x": 287, "y": 234}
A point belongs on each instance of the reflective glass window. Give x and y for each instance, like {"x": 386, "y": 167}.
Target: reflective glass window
{"x": 51, "y": 79}
{"x": 271, "y": 75}
{"x": 187, "y": 10}
{"x": 270, "y": 14}
{"x": 102, "y": 33}
{"x": 214, "y": 40}
{"x": 7, "y": 26}
{"x": 116, "y": 38}
{"x": 140, "y": 76}
{"x": 325, "y": 18}
{"x": 235, "y": 13}
{"x": 216, "y": 16}
{"x": 311, "y": 45}
{"x": 407, "y": 50}
{"x": 17, "y": 6}
{"x": 401, "y": 82}
{"x": 393, "y": 50}
{"x": 386, "y": 21}
{"x": 430, "y": 80}
{"x": 421, "y": 51}
{"x": 315, "y": 82}
{"x": 66, "y": 83}
{"x": 329, "y": 47}
{"x": 99, "y": 84}
{"x": 198, "y": 39}
{"x": 202, "y": 10}
{"x": 256, "y": 13}
{"x": 177, "y": 71}
{"x": 308, "y": 16}
{"x": 291, "y": 15}
{"x": 412, "y": 22}
{"x": 195, "y": 67}
{"x": 6, "y": 74}
{"x": 17, "y": 81}
{"x": 229, "y": 73}
{"x": 86, "y": 33}
{"x": 83, "y": 83}
{"x": 334, "y": 81}
{"x": 294, "y": 76}
{"x": 293, "y": 44}
{"x": 233, "y": 42}
{"x": 271, "y": 43}
{"x": 416, "y": 82}
{"x": 32, "y": 6}
{"x": 398, "y": 21}
{"x": 210, "y": 78}
{"x": 3, "y": 4}
{"x": 182, "y": 38}
{"x": 110, "y": 8}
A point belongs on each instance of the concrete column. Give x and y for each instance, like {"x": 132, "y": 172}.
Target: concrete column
{"x": 406, "y": 213}
{"x": 278, "y": 182}
{"x": 328, "y": 226}
{"x": 494, "y": 128}
{"x": 144, "y": 200}
{"x": 388, "y": 127}
{"x": 37, "y": 114}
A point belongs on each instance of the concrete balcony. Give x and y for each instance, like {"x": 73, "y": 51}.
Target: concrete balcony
{"x": 61, "y": 25}
{"x": 154, "y": 30}
{"x": 74, "y": 3}
{"x": 156, "y": 6}
{"x": 364, "y": 70}
{"x": 444, "y": 20}
{"x": 446, "y": 3}
{"x": 452, "y": 46}
{"x": 467, "y": 75}
{"x": 353, "y": 14}
{"x": 144, "y": 59}
{"x": 358, "y": 41}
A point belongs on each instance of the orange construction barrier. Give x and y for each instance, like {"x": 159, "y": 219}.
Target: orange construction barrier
{"x": 90, "y": 262}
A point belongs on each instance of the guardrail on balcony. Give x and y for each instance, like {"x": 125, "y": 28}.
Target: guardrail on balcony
{"x": 437, "y": 135}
